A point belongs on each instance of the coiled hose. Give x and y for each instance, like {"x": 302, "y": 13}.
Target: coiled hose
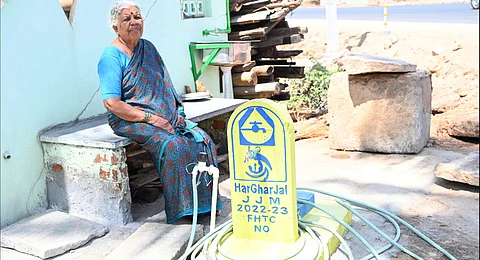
{"x": 210, "y": 247}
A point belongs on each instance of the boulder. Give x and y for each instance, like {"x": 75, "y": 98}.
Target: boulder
{"x": 382, "y": 112}
{"x": 465, "y": 125}
{"x": 360, "y": 64}
{"x": 463, "y": 170}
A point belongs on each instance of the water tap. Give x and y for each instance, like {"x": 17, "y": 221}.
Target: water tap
{"x": 251, "y": 153}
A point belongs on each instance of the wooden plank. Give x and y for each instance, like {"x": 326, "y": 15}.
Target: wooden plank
{"x": 279, "y": 40}
{"x": 264, "y": 70}
{"x": 283, "y": 95}
{"x": 275, "y": 62}
{"x": 288, "y": 31}
{"x": 276, "y": 54}
{"x": 236, "y": 5}
{"x": 144, "y": 179}
{"x": 270, "y": 88}
{"x": 248, "y": 34}
{"x": 250, "y": 7}
{"x": 265, "y": 79}
{"x": 289, "y": 72}
{"x": 244, "y": 67}
{"x": 279, "y": 14}
{"x": 244, "y": 79}
{"x": 291, "y": 5}
{"x": 253, "y": 95}
{"x": 135, "y": 153}
{"x": 251, "y": 18}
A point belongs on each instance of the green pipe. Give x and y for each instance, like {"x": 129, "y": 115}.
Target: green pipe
{"x": 370, "y": 224}
{"x": 370, "y": 207}
{"x": 207, "y": 32}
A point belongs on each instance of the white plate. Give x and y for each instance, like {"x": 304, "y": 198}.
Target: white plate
{"x": 196, "y": 96}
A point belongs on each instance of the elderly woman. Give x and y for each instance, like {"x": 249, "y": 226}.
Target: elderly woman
{"x": 144, "y": 106}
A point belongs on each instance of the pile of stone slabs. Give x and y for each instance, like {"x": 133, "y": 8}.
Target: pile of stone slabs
{"x": 50, "y": 234}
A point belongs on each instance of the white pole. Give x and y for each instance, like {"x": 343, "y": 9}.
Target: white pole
{"x": 385, "y": 16}
{"x": 227, "y": 82}
{"x": 332, "y": 26}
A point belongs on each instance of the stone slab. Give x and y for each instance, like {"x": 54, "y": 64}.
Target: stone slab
{"x": 361, "y": 64}
{"x": 386, "y": 113}
{"x": 50, "y": 234}
{"x": 155, "y": 241}
{"x": 463, "y": 170}
{"x": 197, "y": 111}
{"x": 92, "y": 132}
{"x": 95, "y": 131}
{"x": 464, "y": 125}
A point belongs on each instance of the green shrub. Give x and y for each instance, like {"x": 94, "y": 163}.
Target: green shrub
{"x": 311, "y": 91}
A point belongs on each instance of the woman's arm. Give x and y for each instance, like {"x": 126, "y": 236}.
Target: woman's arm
{"x": 129, "y": 113}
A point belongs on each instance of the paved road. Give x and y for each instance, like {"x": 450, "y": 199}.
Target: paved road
{"x": 440, "y": 13}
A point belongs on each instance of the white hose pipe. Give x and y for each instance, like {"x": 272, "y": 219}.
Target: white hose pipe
{"x": 213, "y": 214}
{"x": 195, "y": 205}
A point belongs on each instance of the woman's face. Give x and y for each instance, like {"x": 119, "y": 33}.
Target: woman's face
{"x": 130, "y": 24}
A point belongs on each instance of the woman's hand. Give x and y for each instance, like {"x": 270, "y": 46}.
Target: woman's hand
{"x": 162, "y": 123}
{"x": 180, "y": 121}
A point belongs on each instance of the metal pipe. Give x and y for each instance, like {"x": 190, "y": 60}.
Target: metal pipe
{"x": 7, "y": 155}
{"x": 217, "y": 31}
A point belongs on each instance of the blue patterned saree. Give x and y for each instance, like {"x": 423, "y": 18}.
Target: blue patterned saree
{"x": 146, "y": 85}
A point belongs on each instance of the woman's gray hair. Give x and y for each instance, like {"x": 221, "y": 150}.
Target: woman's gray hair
{"x": 117, "y": 8}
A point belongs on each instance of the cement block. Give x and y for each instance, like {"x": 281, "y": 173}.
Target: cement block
{"x": 463, "y": 170}
{"x": 88, "y": 182}
{"x": 385, "y": 112}
{"x": 50, "y": 233}
{"x": 360, "y": 64}
{"x": 155, "y": 241}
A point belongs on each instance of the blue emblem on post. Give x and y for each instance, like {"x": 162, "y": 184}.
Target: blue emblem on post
{"x": 253, "y": 132}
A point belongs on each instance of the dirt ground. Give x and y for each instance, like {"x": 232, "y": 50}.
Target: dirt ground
{"x": 449, "y": 51}
{"x": 440, "y": 209}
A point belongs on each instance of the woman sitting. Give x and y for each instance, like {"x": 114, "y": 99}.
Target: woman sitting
{"x": 144, "y": 106}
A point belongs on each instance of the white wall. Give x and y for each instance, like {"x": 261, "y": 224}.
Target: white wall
{"x": 49, "y": 75}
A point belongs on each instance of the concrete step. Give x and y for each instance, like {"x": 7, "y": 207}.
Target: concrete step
{"x": 155, "y": 241}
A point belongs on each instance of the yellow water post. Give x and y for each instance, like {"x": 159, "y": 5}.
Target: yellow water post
{"x": 261, "y": 148}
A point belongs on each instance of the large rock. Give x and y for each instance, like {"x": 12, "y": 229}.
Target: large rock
{"x": 465, "y": 125}
{"x": 361, "y": 64}
{"x": 382, "y": 112}
{"x": 463, "y": 170}
{"x": 50, "y": 234}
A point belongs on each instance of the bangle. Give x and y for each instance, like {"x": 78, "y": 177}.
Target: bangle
{"x": 146, "y": 117}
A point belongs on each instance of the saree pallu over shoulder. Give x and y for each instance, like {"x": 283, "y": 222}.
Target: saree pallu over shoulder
{"x": 146, "y": 85}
